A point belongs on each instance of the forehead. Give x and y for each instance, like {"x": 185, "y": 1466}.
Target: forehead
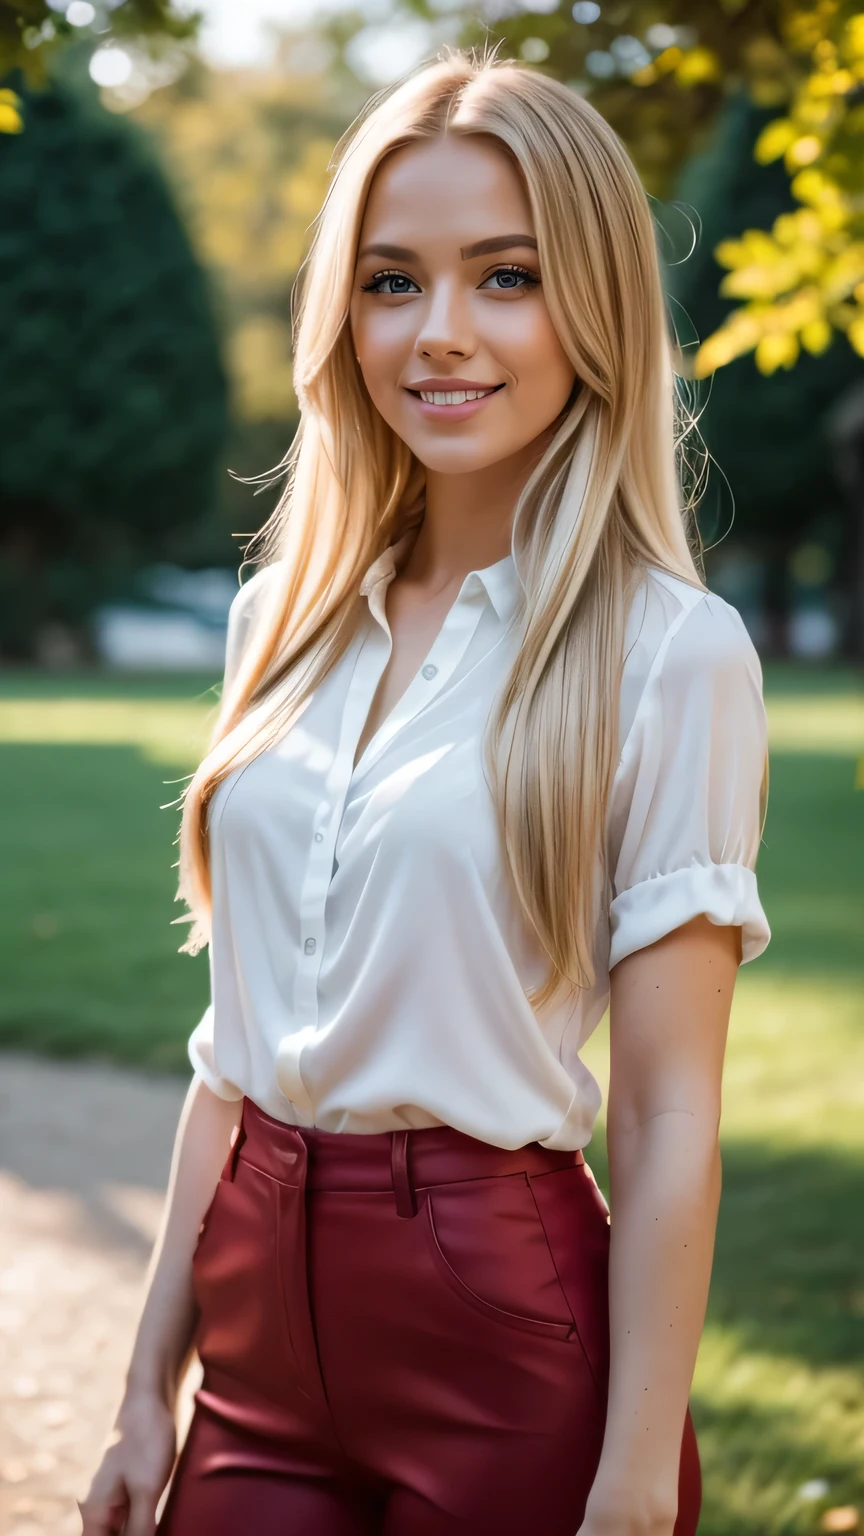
{"x": 458, "y": 184}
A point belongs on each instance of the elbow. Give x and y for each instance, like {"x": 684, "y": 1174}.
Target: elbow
{"x": 689, "y": 1131}
{"x": 633, "y": 1110}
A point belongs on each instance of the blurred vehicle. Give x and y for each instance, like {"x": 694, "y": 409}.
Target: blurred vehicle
{"x": 181, "y": 625}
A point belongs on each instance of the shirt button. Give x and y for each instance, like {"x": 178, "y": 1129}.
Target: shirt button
{"x": 319, "y": 837}
{"x": 429, "y": 670}
{"x": 310, "y": 946}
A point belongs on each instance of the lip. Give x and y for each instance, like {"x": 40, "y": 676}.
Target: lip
{"x": 452, "y": 413}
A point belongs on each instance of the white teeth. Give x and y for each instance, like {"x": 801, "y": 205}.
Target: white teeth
{"x": 453, "y": 396}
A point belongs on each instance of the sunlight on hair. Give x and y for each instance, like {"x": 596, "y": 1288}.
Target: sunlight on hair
{"x": 605, "y": 501}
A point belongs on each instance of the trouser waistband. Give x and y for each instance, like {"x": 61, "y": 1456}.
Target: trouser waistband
{"x": 403, "y": 1161}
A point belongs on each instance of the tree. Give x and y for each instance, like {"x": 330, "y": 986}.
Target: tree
{"x": 804, "y": 279}
{"x": 112, "y": 393}
{"x": 31, "y": 31}
{"x": 247, "y": 155}
{"x": 766, "y": 434}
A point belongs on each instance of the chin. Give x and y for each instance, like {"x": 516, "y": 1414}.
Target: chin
{"x": 456, "y": 458}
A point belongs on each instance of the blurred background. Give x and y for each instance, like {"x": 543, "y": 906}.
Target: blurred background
{"x": 159, "y": 170}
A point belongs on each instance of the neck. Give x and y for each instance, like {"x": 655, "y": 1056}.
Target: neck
{"x": 468, "y": 520}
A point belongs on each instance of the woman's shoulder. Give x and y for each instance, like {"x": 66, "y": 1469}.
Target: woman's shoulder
{"x": 681, "y": 637}
{"x": 246, "y": 603}
{"x": 250, "y": 592}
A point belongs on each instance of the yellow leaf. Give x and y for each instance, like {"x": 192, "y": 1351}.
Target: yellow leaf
{"x": 774, "y": 140}
{"x": 854, "y": 39}
{"x": 669, "y": 59}
{"x": 816, "y": 336}
{"x": 739, "y": 334}
{"x": 811, "y": 187}
{"x": 779, "y": 350}
{"x": 698, "y": 66}
{"x": 10, "y": 120}
{"x": 785, "y": 229}
{"x": 803, "y": 152}
{"x": 754, "y": 248}
{"x": 809, "y": 225}
{"x": 714, "y": 353}
{"x": 731, "y": 253}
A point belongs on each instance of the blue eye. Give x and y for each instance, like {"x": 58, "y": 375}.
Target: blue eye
{"x": 520, "y": 277}
{"x": 513, "y": 279}
{"x": 374, "y": 283}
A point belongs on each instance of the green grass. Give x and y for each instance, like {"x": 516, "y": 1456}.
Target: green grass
{"x": 88, "y": 771}
{"x": 90, "y": 965}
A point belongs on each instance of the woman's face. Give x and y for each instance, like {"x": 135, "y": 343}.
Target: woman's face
{"x": 448, "y": 298}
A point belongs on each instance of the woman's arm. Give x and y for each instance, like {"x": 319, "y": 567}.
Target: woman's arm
{"x": 670, "y": 1006}
{"x": 140, "y": 1449}
{"x": 163, "y": 1340}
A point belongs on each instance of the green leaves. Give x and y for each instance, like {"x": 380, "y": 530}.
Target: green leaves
{"x": 30, "y": 30}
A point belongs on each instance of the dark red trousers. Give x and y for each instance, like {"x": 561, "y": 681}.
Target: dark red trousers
{"x": 402, "y": 1334}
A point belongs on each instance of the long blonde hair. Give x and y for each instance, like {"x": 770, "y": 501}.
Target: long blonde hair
{"x": 603, "y": 503}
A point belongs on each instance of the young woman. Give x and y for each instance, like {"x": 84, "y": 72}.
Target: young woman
{"x": 487, "y": 752}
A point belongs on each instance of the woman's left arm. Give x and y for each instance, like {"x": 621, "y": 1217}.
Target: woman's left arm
{"x": 670, "y": 1006}
{"x": 683, "y": 833}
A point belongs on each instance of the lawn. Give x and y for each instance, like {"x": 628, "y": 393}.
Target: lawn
{"x": 90, "y": 771}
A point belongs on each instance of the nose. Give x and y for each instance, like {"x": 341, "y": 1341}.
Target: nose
{"x": 446, "y": 329}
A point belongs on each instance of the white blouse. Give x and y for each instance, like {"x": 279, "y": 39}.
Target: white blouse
{"x": 369, "y": 958}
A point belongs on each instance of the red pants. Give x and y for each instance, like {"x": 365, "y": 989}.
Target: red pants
{"x": 402, "y": 1334}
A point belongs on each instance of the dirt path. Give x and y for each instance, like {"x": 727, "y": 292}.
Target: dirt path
{"x": 84, "y": 1158}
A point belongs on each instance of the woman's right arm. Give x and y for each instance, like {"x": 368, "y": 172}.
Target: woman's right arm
{"x": 141, "y": 1446}
{"x": 139, "y": 1453}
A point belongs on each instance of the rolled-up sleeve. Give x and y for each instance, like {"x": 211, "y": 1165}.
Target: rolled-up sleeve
{"x": 686, "y": 808}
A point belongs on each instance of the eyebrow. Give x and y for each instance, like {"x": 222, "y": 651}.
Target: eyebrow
{"x": 467, "y": 252}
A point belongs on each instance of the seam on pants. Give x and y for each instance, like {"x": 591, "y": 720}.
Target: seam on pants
{"x": 551, "y": 1251}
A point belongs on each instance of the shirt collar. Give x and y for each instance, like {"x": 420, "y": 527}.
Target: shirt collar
{"x": 500, "y": 581}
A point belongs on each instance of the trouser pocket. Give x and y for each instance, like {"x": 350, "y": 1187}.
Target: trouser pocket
{"x": 488, "y": 1244}
{"x": 576, "y": 1225}
{"x": 242, "y": 1325}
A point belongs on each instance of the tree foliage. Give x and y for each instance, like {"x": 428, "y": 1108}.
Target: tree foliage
{"x": 772, "y": 481}
{"x": 32, "y": 30}
{"x": 112, "y": 394}
{"x": 248, "y": 157}
{"x": 804, "y": 278}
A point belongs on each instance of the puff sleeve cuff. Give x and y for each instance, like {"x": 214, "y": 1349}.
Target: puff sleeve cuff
{"x": 201, "y": 1055}
{"x": 685, "y": 813}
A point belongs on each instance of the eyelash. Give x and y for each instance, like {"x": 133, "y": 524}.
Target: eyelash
{"x": 532, "y": 280}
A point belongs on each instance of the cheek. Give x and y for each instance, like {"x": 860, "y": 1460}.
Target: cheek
{"x": 382, "y": 337}
{"x": 536, "y": 351}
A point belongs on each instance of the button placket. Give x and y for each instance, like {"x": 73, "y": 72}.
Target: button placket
{"x": 372, "y": 655}
{"x": 448, "y": 648}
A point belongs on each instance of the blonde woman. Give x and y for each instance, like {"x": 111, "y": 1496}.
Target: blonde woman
{"x": 487, "y": 752}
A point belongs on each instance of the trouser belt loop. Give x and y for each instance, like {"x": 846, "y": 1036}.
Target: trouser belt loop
{"x": 406, "y": 1201}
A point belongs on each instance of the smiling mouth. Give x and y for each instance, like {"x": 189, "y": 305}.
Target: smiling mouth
{"x": 453, "y": 396}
